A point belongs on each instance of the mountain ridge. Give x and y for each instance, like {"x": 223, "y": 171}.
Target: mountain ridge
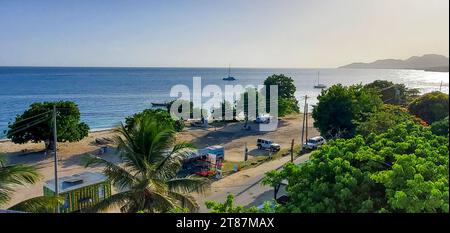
{"x": 424, "y": 62}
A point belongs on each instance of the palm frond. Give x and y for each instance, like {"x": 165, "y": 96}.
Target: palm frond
{"x": 189, "y": 184}
{"x": 119, "y": 177}
{"x": 186, "y": 201}
{"x": 115, "y": 200}
{"x": 159, "y": 201}
{"x": 39, "y": 205}
{"x": 160, "y": 144}
{"x": 15, "y": 175}
{"x": 172, "y": 163}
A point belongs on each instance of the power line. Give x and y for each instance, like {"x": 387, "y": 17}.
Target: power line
{"x": 31, "y": 124}
{"x": 22, "y": 120}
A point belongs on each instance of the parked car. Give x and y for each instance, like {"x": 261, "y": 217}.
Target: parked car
{"x": 262, "y": 119}
{"x": 264, "y": 144}
{"x": 314, "y": 142}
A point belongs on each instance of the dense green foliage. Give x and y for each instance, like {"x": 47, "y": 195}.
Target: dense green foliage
{"x": 35, "y": 124}
{"x": 148, "y": 174}
{"x": 404, "y": 169}
{"x": 387, "y": 117}
{"x": 287, "y": 103}
{"x": 287, "y": 106}
{"x": 340, "y": 108}
{"x": 286, "y": 87}
{"x": 246, "y": 102}
{"x": 430, "y": 107}
{"x": 228, "y": 207}
{"x": 392, "y": 93}
{"x": 160, "y": 115}
{"x": 193, "y": 111}
{"x": 226, "y": 108}
{"x": 440, "y": 127}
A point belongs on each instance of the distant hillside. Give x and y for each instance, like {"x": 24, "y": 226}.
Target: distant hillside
{"x": 429, "y": 62}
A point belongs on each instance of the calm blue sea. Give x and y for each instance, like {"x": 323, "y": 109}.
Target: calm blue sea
{"x": 106, "y": 95}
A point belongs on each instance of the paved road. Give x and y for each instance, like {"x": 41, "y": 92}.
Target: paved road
{"x": 246, "y": 185}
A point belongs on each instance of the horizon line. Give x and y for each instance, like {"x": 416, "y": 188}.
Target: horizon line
{"x": 181, "y": 67}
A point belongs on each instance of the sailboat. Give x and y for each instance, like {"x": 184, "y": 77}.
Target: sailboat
{"x": 229, "y": 78}
{"x": 319, "y": 85}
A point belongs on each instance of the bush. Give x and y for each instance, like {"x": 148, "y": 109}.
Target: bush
{"x": 392, "y": 93}
{"x": 430, "y": 107}
{"x": 287, "y": 106}
{"x": 387, "y": 117}
{"x": 402, "y": 170}
{"x": 440, "y": 127}
{"x": 162, "y": 116}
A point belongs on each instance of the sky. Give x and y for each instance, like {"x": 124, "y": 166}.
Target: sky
{"x": 218, "y": 33}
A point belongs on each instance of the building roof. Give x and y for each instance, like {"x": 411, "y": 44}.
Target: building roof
{"x": 76, "y": 181}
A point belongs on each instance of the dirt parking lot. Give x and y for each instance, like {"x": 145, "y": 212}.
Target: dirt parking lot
{"x": 233, "y": 138}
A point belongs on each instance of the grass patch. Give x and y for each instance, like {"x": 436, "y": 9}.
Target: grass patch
{"x": 228, "y": 166}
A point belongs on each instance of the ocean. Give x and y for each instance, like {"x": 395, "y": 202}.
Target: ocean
{"x": 106, "y": 96}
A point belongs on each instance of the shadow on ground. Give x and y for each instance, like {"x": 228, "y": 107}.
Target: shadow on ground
{"x": 230, "y": 132}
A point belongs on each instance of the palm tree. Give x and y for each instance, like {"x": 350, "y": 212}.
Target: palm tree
{"x": 12, "y": 176}
{"x": 147, "y": 177}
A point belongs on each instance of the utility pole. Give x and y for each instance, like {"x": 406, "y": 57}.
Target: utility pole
{"x": 440, "y": 87}
{"x": 303, "y": 124}
{"x": 306, "y": 124}
{"x": 292, "y": 151}
{"x": 55, "y": 157}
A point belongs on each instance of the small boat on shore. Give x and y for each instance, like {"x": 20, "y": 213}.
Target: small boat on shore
{"x": 229, "y": 78}
{"x": 319, "y": 85}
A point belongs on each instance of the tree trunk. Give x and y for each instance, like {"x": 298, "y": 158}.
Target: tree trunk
{"x": 49, "y": 145}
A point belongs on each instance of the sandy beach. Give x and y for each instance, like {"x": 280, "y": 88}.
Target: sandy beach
{"x": 70, "y": 154}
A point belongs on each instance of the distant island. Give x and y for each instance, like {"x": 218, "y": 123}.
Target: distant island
{"x": 428, "y": 62}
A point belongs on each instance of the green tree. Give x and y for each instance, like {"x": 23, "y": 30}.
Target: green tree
{"x": 287, "y": 106}
{"x": 392, "y": 93}
{"x": 404, "y": 169}
{"x": 149, "y": 174}
{"x": 244, "y": 101}
{"x": 440, "y": 127}
{"x": 287, "y": 103}
{"x": 286, "y": 87}
{"x": 387, "y": 117}
{"x": 12, "y": 176}
{"x": 192, "y": 110}
{"x": 228, "y": 206}
{"x": 159, "y": 115}
{"x": 430, "y": 107}
{"x": 226, "y": 107}
{"x": 341, "y": 108}
{"x": 35, "y": 124}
